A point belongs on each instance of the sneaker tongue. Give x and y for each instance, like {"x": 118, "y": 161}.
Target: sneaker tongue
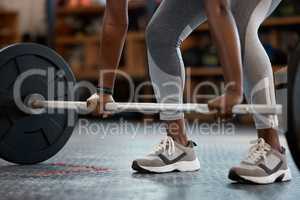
{"x": 259, "y": 141}
{"x": 155, "y": 153}
{"x": 267, "y": 146}
{"x": 263, "y": 144}
{"x": 260, "y": 145}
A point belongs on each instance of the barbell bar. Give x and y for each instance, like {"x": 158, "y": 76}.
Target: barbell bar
{"x": 155, "y": 107}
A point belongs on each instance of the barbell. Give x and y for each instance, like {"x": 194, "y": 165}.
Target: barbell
{"x": 81, "y": 107}
{"x": 30, "y": 135}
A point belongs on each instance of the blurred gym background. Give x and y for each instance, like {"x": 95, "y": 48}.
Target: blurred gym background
{"x": 72, "y": 28}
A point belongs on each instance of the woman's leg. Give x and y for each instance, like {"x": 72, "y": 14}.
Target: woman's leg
{"x": 266, "y": 161}
{"x": 171, "y": 24}
{"x": 258, "y": 74}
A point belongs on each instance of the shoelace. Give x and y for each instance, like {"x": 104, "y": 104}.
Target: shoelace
{"x": 166, "y": 145}
{"x": 257, "y": 151}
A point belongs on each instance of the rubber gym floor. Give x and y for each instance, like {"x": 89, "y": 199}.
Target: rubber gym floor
{"x": 97, "y": 165}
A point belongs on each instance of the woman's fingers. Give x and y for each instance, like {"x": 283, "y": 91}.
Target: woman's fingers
{"x": 96, "y": 103}
{"x": 107, "y": 115}
{"x": 223, "y": 111}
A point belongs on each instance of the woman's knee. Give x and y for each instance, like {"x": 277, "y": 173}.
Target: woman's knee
{"x": 154, "y": 35}
{"x": 158, "y": 35}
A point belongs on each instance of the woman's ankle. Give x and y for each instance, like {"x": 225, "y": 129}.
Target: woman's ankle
{"x": 176, "y": 130}
{"x": 271, "y": 137}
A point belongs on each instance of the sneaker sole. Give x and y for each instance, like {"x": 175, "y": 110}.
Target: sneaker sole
{"x": 279, "y": 176}
{"x": 183, "y": 166}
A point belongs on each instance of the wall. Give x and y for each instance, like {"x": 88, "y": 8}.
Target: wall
{"x": 32, "y": 14}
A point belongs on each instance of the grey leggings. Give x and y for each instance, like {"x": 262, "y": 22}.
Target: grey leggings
{"x": 174, "y": 21}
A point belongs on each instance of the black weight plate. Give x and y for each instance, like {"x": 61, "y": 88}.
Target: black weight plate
{"x": 26, "y": 138}
{"x": 293, "y": 133}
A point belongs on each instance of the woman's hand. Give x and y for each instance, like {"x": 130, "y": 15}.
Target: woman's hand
{"x": 224, "y": 104}
{"x": 97, "y": 103}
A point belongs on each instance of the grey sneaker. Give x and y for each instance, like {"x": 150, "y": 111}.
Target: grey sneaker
{"x": 168, "y": 156}
{"x": 263, "y": 165}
